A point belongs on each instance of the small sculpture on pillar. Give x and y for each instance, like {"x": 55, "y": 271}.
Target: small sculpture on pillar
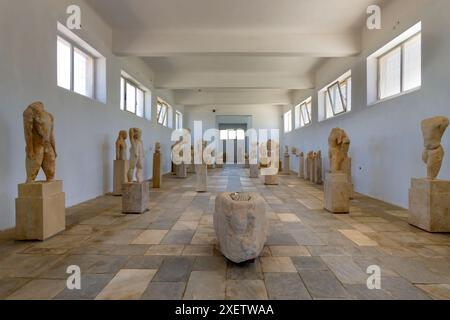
{"x": 136, "y": 155}
{"x": 337, "y": 186}
{"x": 301, "y": 166}
{"x": 429, "y": 198}
{"x": 253, "y": 160}
{"x": 40, "y": 206}
{"x": 286, "y": 164}
{"x": 318, "y": 168}
{"x": 270, "y": 163}
{"x": 157, "y": 175}
{"x": 121, "y": 164}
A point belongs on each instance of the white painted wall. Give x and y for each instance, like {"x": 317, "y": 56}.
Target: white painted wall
{"x": 386, "y": 139}
{"x": 85, "y": 129}
{"x": 263, "y": 116}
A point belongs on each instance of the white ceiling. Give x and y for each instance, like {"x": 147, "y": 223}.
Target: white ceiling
{"x": 254, "y": 50}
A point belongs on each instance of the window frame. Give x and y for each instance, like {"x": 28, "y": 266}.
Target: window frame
{"x": 344, "y": 102}
{"x": 160, "y": 106}
{"x": 288, "y": 114}
{"x": 137, "y": 88}
{"x": 178, "y": 120}
{"x": 400, "y": 46}
{"x": 73, "y": 45}
{"x": 299, "y": 117}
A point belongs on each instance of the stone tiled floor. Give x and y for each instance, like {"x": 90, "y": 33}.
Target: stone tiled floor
{"x": 170, "y": 251}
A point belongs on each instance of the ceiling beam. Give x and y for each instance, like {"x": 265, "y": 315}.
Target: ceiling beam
{"x": 156, "y": 44}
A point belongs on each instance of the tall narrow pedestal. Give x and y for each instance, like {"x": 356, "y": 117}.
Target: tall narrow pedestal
{"x": 429, "y": 205}
{"x": 271, "y": 180}
{"x": 301, "y": 167}
{"x": 286, "y": 165}
{"x": 120, "y": 175}
{"x": 312, "y": 170}
{"x": 348, "y": 168}
{"x": 318, "y": 171}
{"x": 337, "y": 193}
{"x": 254, "y": 171}
{"x": 157, "y": 172}
{"x": 202, "y": 177}
{"x": 181, "y": 170}
{"x": 40, "y": 210}
{"x": 135, "y": 197}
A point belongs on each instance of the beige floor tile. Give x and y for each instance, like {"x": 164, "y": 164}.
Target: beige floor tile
{"x": 436, "y": 291}
{"x": 39, "y": 289}
{"x": 205, "y": 285}
{"x": 182, "y": 225}
{"x": 128, "y": 284}
{"x": 246, "y": 290}
{"x": 359, "y": 238}
{"x": 289, "y": 251}
{"x": 277, "y": 264}
{"x": 198, "y": 250}
{"x": 288, "y": 217}
{"x": 150, "y": 237}
{"x": 165, "y": 250}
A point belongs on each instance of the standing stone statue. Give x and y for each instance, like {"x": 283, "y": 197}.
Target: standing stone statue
{"x": 338, "y": 146}
{"x": 201, "y": 169}
{"x": 301, "y": 166}
{"x": 121, "y": 164}
{"x": 157, "y": 176}
{"x": 433, "y": 129}
{"x": 337, "y": 190}
{"x": 121, "y": 145}
{"x": 40, "y": 142}
{"x": 136, "y": 155}
{"x": 318, "y": 168}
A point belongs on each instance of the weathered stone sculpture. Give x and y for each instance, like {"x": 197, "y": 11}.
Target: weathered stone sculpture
{"x": 201, "y": 169}
{"x": 253, "y": 160}
{"x": 338, "y": 146}
{"x": 301, "y": 166}
{"x": 433, "y": 129}
{"x": 121, "y": 145}
{"x": 309, "y": 160}
{"x": 40, "y": 142}
{"x": 136, "y": 155}
{"x": 286, "y": 162}
{"x": 241, "y": 225}
{"x": 318, "y": 168}
{"x": 312, "y": 167}
{"x": 337, "y": 187}
{"x": 157, "y": 173}
{"x": 429, "y": 198}
{"x": 40, "y": 206}
{"x": 270, "y": 163}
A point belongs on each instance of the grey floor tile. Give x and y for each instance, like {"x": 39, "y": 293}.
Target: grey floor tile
{"x": 164, "y": 291}
{"x": 323, "y": 284}
{"x": 174, "y": 269}
{"x": 91, "y": 286}
{"x": 285, "y": 286}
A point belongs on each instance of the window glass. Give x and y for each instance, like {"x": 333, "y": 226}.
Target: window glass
{"x": 131, "y": 98}
{"x": 412, "y": 61}
{"x": 83, "y": 73}
{"x": 390, "y": 73}
{"x": 64, "y": 63}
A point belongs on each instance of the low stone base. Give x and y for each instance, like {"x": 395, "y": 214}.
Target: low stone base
{"x": 120, "y": 175}
{"x": 40, "y": 210}
{"x": 135, "y": 197}
{"x": 254, "y": 171}
{"x": 429, "y": 205}
{"x": 271, "y": 180}
{"x": 181, "y": 171}
{"x": 202, "y": 177}
{"x": 337, "y": 193}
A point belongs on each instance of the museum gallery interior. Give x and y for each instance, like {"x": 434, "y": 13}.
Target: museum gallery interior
{"x": 224, "y": 150}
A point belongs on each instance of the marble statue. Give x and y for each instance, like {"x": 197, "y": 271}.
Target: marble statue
{"x": 241, "y": 225}
{"x": 433, "y": 129}
{"x": 121, "y": 145}
{"x": 338, "y": 146}
{"x": 40, "y": 142}
{"x": 136, "y": 155}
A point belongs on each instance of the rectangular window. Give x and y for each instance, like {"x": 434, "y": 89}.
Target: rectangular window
{"x": 223, "y": 134}
{"x": 163, "y": 112}
{"x": 75, "y": 68}
{"x": 240, "y": 134}
{"x": 396, "y": 68}
{"x": 133, "y": 98}
{"x": 288, "y": 121}
{"x": 334, "y": 99}
{"x": 303, "y": 113}
{"x": 178, "y": 120}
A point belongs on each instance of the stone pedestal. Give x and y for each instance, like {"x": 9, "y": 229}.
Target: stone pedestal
{"x": 120, "y": 175}
{"x": 286, "y": 165}
{"x": 318, "y": 171}
{"x": 157, "y": 172}
{"x": 271, "y": 180}
{"x": 301, "y": 167}
{"x": 135, "y": 197}
{"x": 254, "y": 171}
{"x": 247, "y": 164}
{"x": 201, "y": 171}
{"x": 337, "y": 193}
{"x": 40, "y": 210}
{"x": 241, "y": 225}
{"x": 190, "y": 168}
{"x": 181, "y": 170}
{"x": 347, "y": 165}
{"x": 429, "y": 205}
{"x": 312, "y": 170}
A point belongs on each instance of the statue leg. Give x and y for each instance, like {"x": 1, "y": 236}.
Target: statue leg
{"x": 139, "y": 171}
{"x": 49, "y": 163}
{"x": 131, "y": 169}
{"x": 34, "y": 165}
